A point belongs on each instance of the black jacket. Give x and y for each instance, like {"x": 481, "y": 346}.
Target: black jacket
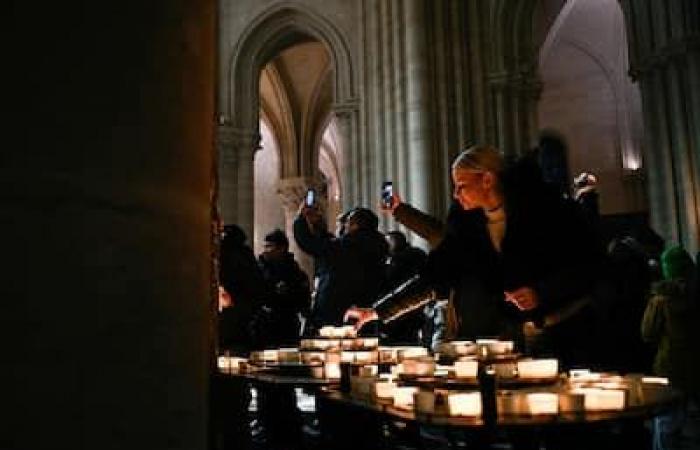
{"x": 548, "y": 246}
{"x": 290, "y": 295}
{"x": 353, "y": 270}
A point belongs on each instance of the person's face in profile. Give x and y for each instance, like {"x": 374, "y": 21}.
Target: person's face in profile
{"x": 471, "y": 187}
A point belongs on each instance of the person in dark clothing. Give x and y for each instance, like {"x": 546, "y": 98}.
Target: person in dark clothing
{"x": 354, "y": 262}
{"x": 277, "y": 325}
{"x": 278, "y": 322}
{"x": 243, "y": 281}
{"x": 670, "y": 322}
{"x": 404, "y": 262}
{"x": 243, "y": 287}
{"x": 519, "y": 256}
{"x": 630, "y": 280}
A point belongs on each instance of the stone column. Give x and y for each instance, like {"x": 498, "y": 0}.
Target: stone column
{"x": 105, "y": 179}
{"x": 664, "y": 56}
{"x": 516, "y": 98}
{"x": 346, "y": 114}
{"x": 237, "y": 149}
{"x": 228, "y": 176}
{"x": 418, "y": 107}
{"x": 292, "y": 192}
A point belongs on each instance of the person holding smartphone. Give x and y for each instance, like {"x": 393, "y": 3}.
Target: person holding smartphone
{"x": 352, "y": 264}
{"x": 514, "y": 252}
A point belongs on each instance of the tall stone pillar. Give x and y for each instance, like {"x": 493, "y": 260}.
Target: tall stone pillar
{"x": 347, "y": 116}
{"x": 292, "y": 192}
{"x": 237, "y": 149}
{"x": 515, "y": 103}
{"x": 664, "y": 54}
{"x": 105, "y": 179}
{"x": 418, "y": 106}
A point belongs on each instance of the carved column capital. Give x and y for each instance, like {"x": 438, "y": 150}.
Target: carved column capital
{"x": 234, "y": 144}
{"x": 292, "y": 190}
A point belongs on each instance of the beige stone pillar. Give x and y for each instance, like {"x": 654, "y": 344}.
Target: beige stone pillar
{"x": 105, "y": 178}
{"x": 237, "y": 149}
{"x": 418, "y": 106}
{"x": 664, "y": 54}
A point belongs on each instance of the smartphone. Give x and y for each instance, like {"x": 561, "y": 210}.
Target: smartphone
{"x": 310, "y": 199}
{"x": 388, "y": 194}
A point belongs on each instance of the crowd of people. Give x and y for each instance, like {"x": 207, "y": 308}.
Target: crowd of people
{"x": 519, "y": 256}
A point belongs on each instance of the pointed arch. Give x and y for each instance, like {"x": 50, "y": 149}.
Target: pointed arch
{"x": 281, "y": 26}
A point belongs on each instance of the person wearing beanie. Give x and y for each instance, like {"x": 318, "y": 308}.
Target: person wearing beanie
{"x": 670, "y": 322}
{"x": 353, "y": 263}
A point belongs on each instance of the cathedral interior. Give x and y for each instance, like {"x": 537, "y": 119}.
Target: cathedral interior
{"x": 153, "y": 122}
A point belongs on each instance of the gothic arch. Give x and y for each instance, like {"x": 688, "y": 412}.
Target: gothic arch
{"x": 281, "y": 26}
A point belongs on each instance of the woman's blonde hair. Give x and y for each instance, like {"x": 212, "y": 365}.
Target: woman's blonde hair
{"x": 481, "y": 158}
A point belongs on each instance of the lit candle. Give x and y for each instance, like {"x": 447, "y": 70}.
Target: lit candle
{"x": 403, "y": 396}
{"x": 466, "y": 368}
{"x": 538, "y": 368}
{"x": 422, "y": 366}
{"x": 602, "y": 399}
{"x": 543, "y": 403}
{"x": 464, "y": 404}
{"x": 332, "y": 371}
{"x": 384, "y": 389}
{"x": 410, "y": 352}
{"x": 365, "y": 357}
{"x": 655, "y": 380}
{"x": 223, "y": 363}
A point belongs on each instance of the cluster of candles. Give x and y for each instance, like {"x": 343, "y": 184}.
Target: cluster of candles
{"x": 582, "y": 390}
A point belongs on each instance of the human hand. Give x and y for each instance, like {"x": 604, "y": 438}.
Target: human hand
{"x": 524, "y": 298}
{"x": 389, "y": 209}
{"x": 361, "y": 315}
{"x": 225, "y": 299}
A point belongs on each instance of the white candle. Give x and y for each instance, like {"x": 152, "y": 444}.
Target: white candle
{"x": 410, "y": 352}
{"x": 538, "y": 368}
{"x": 223, "y": 363}
{"x": 543, "y": 403}
{"x": 365, "y": 357}
{"x": 466, "y": 368}
{"x": 422, "y": 366}
{"x": 327, "y": 331}
{"x": 403, "y": 396}
{"x": 332, "y": 370}
{"x": 655, "y": 380}
{"x": 464, "y": 404}
{"x": 384, "y": 389}
{"x": 602, "y": 399}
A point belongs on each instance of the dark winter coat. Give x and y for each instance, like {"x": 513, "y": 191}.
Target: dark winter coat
{"x": 353, "y": 270}
{"x": 291, "y": 296}
{"x": 548, "y": 246}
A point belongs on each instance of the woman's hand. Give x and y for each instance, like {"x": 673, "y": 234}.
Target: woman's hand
{"x": 361, "y": 315}
{"x": 524, "y": 298}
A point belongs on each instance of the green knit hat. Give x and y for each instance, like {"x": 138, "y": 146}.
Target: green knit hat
{"x": 676, "y": 263}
